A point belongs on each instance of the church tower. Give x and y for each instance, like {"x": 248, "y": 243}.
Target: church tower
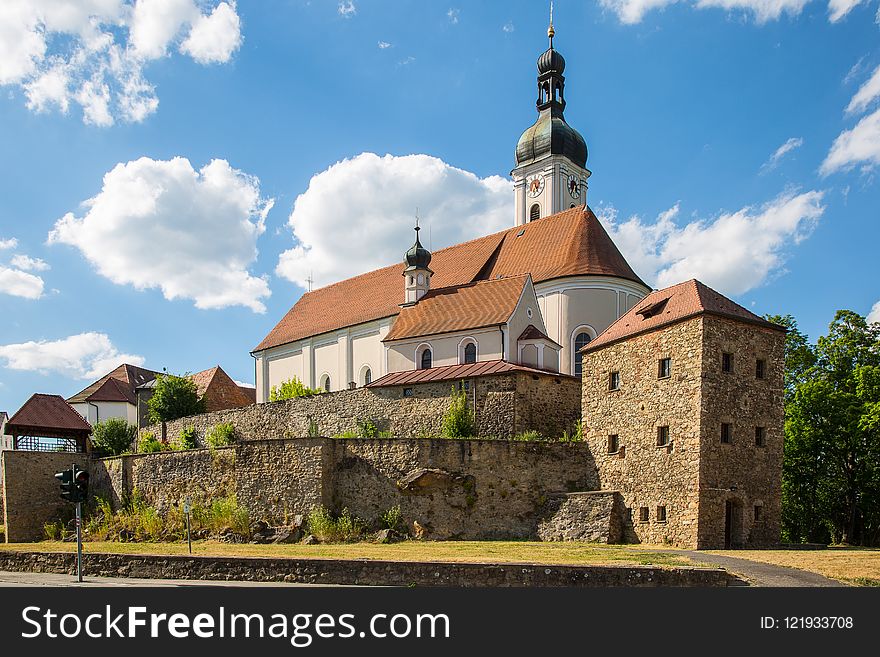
{"x": 416, "y": 275}
{"x": 551, "y": 157}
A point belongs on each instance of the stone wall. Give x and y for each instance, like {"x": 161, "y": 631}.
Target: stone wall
{"x": 446, "y": 489}
{"x": 741, "y": 472}
{"x": 645, "y": 474}
{"x": 362, "y": 572}
{"x": 31, "y": 492}
{"x": 595, "y": 516}
{"x": 505, "y": 405}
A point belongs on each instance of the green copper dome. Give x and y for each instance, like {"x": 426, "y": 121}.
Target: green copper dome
{"x": 418, "y": 257}
{"x": 551, "y": 135}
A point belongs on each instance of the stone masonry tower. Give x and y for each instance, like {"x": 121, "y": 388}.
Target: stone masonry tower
{"x": 551, "y": 157}
{"x": 682, "y": 409}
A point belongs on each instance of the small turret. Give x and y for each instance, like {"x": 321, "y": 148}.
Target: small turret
{"x": 416, "y": 275}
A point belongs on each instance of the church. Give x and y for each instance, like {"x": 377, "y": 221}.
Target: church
{"x": 532, "y": 295}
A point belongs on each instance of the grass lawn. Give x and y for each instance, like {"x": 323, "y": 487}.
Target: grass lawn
{"x": 480, "y": 551}
{"x": 854, "y": 565}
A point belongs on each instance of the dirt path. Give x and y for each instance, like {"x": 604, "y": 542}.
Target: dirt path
{"x": 762, "y": 574}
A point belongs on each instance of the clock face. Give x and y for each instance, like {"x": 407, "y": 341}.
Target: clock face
{"x": 535, "y": 185}
{"x": 574, "y": 186}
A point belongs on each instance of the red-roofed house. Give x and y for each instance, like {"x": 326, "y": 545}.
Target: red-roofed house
{"x": 113, "y": 395}
{"x": 360, "y": 329}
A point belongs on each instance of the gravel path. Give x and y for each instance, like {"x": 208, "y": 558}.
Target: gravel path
{"x": 762, "y": 574}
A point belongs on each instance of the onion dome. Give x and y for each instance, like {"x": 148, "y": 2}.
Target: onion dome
{"x": 551, "y": 135}
{"x": 551, "y": 62}
{"x": 418, "y": 257}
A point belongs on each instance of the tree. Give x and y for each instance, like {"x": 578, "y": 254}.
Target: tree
{"x": 174, "y": 397}
{"x": 113, "y": 437}
{"x": 831, "y": 470}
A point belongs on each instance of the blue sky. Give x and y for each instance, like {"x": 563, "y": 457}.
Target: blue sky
{"x": 196, "y": 127}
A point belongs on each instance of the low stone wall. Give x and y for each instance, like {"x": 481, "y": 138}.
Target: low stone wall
{"x": 32, "y": 494}
{"x": 362, "y": 572}
{"x": 596, "y": 516}
{"x": 505, "y": 404}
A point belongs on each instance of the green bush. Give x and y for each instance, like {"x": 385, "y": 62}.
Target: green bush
{"x": 220, "y": 435}
{"x": 345, "y": 528}
{"x": 367, "y": 429}
{"x": 54, "y": 531}
{"x": 148, "y": 443}
{"x": 290, "y": 389}
{"x": 113, "y": 437}
{"x": 188, "y": 439}
{"x": 174, "y": 397}
{"x": 458, "y": 421}
{"x": 392, "y": 518}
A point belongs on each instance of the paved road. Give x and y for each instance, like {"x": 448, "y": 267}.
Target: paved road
{"x": 51, "y": 579}
{"x": 762, "y": 574}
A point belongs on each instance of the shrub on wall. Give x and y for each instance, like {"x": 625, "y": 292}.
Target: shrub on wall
{"x": 458, "y": 421}
{"x": 187, "y": 439}
{"x": 220, "y": 435}
{"x": 290, "y": 389}
{"x": 345, "y": 528}
{"x": 113, "y": 437}
{"x": 148, "y": 443}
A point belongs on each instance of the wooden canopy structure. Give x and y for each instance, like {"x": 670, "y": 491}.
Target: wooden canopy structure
{"x": 47, "y": 423}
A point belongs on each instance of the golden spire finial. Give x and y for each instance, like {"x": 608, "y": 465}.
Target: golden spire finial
{"x": 550, "y": 31}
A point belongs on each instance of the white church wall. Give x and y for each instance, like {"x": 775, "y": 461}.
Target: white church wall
{"x": 402, "y": 354}
{"x": 527, "y": 311}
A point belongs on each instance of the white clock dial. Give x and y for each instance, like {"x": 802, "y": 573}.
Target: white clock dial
{"x": 574, "y": 186}
{"x": 535, "y": 185}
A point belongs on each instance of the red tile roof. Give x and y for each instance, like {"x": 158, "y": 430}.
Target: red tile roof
{"x": 113, "y": 390}
{"x": 674, "y": 304}
{"x": 570, "y": 243}
{"x": 454, "y": 372}
{"x": 460, "y": 308}
{"x": 130, "y": 375}
{"x": 49, "y": 414}
{"x": 219, "y": 390}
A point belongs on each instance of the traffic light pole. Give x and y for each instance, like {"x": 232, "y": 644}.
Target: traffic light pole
{"x": 79, "y": 543}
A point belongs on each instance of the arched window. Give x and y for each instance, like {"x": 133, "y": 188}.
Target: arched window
{"x": 367, "y": 377}
{"x": 325, "y": 382}
{"x": 426, "y": 359}
{"x": 580, "y": 341}
{"x": 535, "y": 212}
{"x": 470, "y": 353}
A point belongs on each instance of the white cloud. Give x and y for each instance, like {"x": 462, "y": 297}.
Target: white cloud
{"x": 874, "y": 314}
{"x": 383, "y": 45}
{"x": 453, "y": 15}
{"x": 861, "y": 144}
{"x": 733, "y": 253}
{"x": 837, "y": 9}
{"x": 359, "y": 214}
{"x": 83, "y": 356}
{"x": 20, "y": 283}
{"x": 346, "y": 9}
{"x": 27, "y": 263}
{"x": 508, "y": 27}
{"x": 866, "y": 94}
{"x": 161, "y": 224}
{"x": 10, "y": 243}
{"x": 243, "y": 384}
{"x": 93, "y": 52}
{"x": 762, "y": 11}
{"x": 786, "y": 148}
{"x": 214, "y": 38}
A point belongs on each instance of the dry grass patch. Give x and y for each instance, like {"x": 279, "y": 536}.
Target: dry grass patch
{"x": 853, "y": 565}
{"x": 471, "y": 551}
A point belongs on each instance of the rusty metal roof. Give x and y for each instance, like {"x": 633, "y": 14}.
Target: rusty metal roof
{"x": 454, "y": 372}
{"x": 48, "y": 414}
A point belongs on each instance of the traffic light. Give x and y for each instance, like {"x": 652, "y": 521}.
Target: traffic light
{"x": 74, "y": 484}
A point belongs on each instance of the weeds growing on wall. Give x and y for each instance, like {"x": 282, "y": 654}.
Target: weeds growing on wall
{"x": 344, "y": 528}
{"x": 458, "y": 421}
{"x": 392, "y": 518}
{"x": 529, "y": 436}
{"x": 148, "y": 444}
{"x": 187, "y": 440}
{"x": 291, "y": 389}
{"x": 575, "y": 436}
{"x": 220, "y": 435}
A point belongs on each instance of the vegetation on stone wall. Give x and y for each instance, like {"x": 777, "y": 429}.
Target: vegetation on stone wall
{"x": 220, "y": 435}
{"x": 458, "y": 421}
{"x": 188, "y": 439}
{"x": 291, "y": 389}
{"x": 831, "y": 467}
{"x": 344, "y": 528}
{"x": 148, "y": 443}
{"x": 113, "y": 437}
{"x": 174, "y": 397}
